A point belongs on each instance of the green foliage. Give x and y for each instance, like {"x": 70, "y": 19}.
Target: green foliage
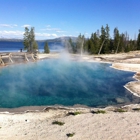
{"x": 29, "y": 40}
{"x": 46, "y": 48}
{"x": 80, "y": 43}
{"x": 136, "y": 109}
{"x": 70, "y": 134}
{"x": 35, "y": 45}
{"x": 138, "y": 41}
{"x": 120, "y": 110}
{"x": 58, "y": 123}
{"x": 71, "y": 46}
{"x": 101, "y": 43}
{"x": 116, "y": 41}
{"x": 98, "y": 112}
{"x": 77, "y": 46}
{"x": 74, "y": 113}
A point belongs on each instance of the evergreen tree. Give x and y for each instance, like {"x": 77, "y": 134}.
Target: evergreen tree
{"x": 46, "y": 48}
{"x": 80, "y": 43}
{"x": 71, "y": 46}
{"x": 107, "y": 40}
{"x": 138, "y": 41}
{"x": 100, "y": 42}
{"x": 116, "y": 40}
{"x": 32, "y": 38}
{"x": 87, "y": 46}
{"x": 95, "y": 42}
{"x": 35, "y": 45}
{"x": 29, "y": 39}
{"x": 122, "y": 43}
{"x": 102, "y": 39}
{"x": 26, "y": 39}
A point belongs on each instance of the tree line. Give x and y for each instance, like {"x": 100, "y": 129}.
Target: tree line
{"x": 30, "y": 44}
{"x": 100, "y": 42}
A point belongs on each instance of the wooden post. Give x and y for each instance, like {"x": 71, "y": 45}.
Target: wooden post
{"x": 10, "y": 57}
{"x": 33, "y": 56}
{"x": 26, "y": 57}
{"x": 1, "y": 61}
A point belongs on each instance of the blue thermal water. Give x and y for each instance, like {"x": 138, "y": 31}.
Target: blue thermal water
{"x": 51, "y": 82}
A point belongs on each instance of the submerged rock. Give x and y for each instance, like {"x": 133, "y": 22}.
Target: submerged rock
{"x": 119, "y": 100}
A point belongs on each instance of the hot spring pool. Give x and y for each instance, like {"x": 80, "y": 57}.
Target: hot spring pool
{"x": 51, "y": 82}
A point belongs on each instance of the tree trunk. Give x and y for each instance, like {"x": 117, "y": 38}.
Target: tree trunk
{"x": 101, "y": 47}
{"x": 117, "y": 47}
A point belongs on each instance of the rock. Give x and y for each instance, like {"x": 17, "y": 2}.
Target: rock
{"x": 119, "y": 100}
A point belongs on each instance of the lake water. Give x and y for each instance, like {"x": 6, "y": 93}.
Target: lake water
{"x": 15, "y": 46}
{"x": 55, "y": 81}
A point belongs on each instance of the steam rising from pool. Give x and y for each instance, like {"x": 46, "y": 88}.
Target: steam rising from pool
{"x": 64, "y": 82}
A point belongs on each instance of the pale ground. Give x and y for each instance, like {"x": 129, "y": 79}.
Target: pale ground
{"x": 86, "y": 126}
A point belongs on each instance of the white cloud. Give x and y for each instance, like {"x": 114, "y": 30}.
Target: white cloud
{"x": 26, "y": 25}
{"x": 11, "y": 33}
{"x": 8, "y": 25}
{"x": 45, "y": 35}
{"x": 19, "y": 34}
{"x": 49, "y": 28}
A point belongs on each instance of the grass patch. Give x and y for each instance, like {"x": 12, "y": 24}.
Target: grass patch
{"x": 120, "y": 110}
{"x": 70, "y": 134}
{"x": 98, "y": 112}
{"x": 136, "y": 109}
{"x": 58, "y": 123}
{"x": 74, "y": 113}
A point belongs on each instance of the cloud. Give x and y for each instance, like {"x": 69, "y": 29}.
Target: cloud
{"x": 19, "y": 34}
{"x": 45, "y": 35}
{"x": 11, "y": 33}
{"x": 8, "y": 25}
{"x": 26, "y": 25}
{"x": 49, "y": 28}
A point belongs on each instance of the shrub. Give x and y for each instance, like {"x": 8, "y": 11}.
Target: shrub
{"x": 119, "y": 110}
{"x": 74, "y": 113}
{"x": 58, "y": 123}
{"x": 136, "y": 109}
{"x": 70, "y": 134}
{"x": 98, "y": 112}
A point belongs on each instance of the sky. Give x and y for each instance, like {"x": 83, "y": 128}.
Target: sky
{"x": 59, "y": 18}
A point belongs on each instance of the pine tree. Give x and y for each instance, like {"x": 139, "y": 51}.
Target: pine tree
{"x": 29, "y": 39}
{"x": 26, "y": 39}
{"x": 32, "y": 38}
{"x": 102, "y": 39}
{"x": 116, "y": 42}
{"x": 95, "y": 43}
{"x": 107, "y": 40}
{"x": 71, "y": 46}
{"x": 122, "y": 43}
{"x": 35, "y": 45}
{"x": 80, "y": 43}
{"x": 46, "y": 48}
{"x": 138, "y": 41}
